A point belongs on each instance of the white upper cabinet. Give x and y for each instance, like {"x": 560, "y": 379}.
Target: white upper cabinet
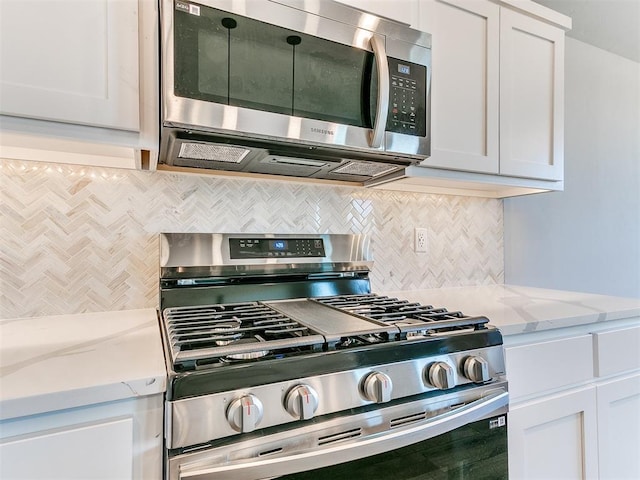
{"x": 82, "y": 74}
{"x": 465, "y": 83}
{"x": 497, "y": 99}
{"x": 71, "y": 61}
{"x": 531, "y": 97}
{"x": 497, "y": 90}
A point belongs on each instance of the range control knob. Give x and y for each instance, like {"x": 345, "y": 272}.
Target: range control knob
{"x": 476, "y": 369}
{"x": 301, "y": 402}
{"x": 377, "y": 387}
{"x": 440, "y": 375}
{"x": 245, "y": 413}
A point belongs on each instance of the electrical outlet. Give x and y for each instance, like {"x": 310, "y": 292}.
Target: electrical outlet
{"x": 420, "y": 240}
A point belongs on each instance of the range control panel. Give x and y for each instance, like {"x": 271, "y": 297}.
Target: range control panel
{"x": 275, "y": 247}
{"x": 407, "y": 98}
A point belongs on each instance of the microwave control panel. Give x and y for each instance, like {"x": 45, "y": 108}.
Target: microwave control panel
{"x": 407, "y": 98}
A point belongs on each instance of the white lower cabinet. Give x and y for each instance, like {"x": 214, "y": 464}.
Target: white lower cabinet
{"x": 619, "y": 428}
{"x": 554, "y": 437}
{"x": 98, "y": 450}
{"x": 575, "y": 405}
{"x": 116, "y": 440}
{"x": 617, "y": 367}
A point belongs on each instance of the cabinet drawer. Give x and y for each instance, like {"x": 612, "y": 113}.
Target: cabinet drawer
{"x": 100, "y": 450}
{"x": 616, "y": 351}
{"x": 539, "y": 367}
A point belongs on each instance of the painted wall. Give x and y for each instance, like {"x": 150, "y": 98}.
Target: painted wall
{"x": 586, "y": 238}
{"x": 80, "y": 239}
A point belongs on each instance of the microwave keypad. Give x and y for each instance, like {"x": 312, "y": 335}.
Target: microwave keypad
{"x": 403, "y": 104}
{"x": 407, "y": 98}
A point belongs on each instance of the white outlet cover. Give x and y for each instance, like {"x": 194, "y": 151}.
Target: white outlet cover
{"x": 421, "y": 240}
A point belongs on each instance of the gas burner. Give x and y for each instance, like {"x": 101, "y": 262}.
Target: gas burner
{"x": 252, "y": 355}
{"x": 227, "y": 330}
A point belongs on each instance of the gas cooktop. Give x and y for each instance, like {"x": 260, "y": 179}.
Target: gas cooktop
{"x": 216, "y": 335}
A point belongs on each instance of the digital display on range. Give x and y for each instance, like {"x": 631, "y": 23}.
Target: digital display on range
{"x": 278, "y": 245}
{"x": 276, "y": 248}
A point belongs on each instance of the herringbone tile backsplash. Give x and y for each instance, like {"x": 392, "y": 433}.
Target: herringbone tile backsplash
{"x": 81, "y": 239}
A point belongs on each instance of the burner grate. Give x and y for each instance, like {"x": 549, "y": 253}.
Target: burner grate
{"x": 414, "y": 319}
{"x": 388, "y": 309}
{"x": 232, "y": 331}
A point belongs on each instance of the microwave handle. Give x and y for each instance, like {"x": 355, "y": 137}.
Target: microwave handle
{"x": 380, "y": 54}
{"x": 343, "y": 452}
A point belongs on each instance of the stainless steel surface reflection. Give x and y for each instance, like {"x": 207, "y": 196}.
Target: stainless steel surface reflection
{"x": 188, "y": 254}
{"x": 282, "y": 362}
{"x": 338, "y": 392}
{"x": 341, "y": 440}
{"x": 359, "y": 144}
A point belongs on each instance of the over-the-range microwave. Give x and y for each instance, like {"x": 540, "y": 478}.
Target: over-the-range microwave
{"x": 304, "y": 88}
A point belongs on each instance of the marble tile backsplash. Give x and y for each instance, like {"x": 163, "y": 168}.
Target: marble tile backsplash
{"x": 82, "y": 239}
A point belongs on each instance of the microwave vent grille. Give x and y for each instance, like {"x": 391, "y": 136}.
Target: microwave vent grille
{"x": 207, "y": 151}
{"x": 370, "y": 169}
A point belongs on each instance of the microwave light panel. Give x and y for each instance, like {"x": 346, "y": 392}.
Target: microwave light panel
{"x": 371, "y": 169}
{"x": 219, "y": 153}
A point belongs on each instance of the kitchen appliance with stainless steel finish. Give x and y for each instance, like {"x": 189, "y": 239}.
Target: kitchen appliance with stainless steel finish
{"x": 283, "y": 363}
{"x": 302, "y": 88}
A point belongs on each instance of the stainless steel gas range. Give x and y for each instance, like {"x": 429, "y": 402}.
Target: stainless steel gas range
{"x": 283, "y": 364}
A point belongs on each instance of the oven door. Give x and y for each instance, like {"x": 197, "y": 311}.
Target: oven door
{"x": 461, "y": 435}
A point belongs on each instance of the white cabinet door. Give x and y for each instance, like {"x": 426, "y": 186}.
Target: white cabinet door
{"x": 405, "y": 11}
{"x": 464, "y": 83}
{"x": 72, "y": 61}
{"x": 554, "y": 437}
{"x": 531, "y": 97}
{"x": 542, "y": 367}
{"x": 619, "y": 428}
{"x": 96, "y": 451}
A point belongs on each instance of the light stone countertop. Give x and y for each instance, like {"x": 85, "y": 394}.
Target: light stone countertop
{"x": 65, "y": 361}
{"x": 516, "y": 309}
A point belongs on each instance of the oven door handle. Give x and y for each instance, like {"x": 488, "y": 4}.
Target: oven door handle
{"x": 347, "y": 451}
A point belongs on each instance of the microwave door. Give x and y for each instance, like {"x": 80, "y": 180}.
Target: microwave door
{"x": 335, "y": 89}
{"x": 279, "y": 73}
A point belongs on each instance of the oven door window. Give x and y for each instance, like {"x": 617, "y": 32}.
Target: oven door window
{"x": 233, "y": 60}
{"x": 476, "y": 451}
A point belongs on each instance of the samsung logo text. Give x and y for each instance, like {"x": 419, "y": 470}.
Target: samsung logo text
{"x": 322, "y": 131}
